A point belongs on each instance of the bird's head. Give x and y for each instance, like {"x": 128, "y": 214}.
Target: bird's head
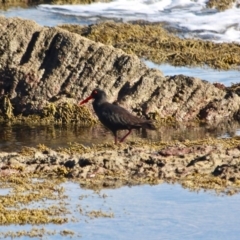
{"x": 97, "y": 94}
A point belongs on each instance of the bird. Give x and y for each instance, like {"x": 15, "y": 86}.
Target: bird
{"x": 115, "y": 117}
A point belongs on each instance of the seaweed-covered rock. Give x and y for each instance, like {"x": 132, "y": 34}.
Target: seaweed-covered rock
{"x": 208, "y": 163}
{"x": 40, "y": 66}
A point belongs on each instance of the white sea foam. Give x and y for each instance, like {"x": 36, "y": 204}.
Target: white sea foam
{"x": 192, "y": 17}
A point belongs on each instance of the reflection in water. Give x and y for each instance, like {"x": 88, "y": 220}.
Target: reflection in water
{"x": 12, "y": 138}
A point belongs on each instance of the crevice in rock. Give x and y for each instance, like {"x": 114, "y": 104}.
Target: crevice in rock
{"x": 52, "y": 55}
{"x": 27, "y": 55}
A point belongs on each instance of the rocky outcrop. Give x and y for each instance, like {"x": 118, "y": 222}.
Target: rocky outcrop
{"x": 39, "y": 65}
{"x": 210, "y": 164}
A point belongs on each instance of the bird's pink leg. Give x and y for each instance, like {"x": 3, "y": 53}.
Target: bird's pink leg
{"x": 129, "y": 131}
{"x": 115, "y": 137}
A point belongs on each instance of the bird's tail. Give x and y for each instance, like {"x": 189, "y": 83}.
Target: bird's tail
{"x": 148, "y": 125}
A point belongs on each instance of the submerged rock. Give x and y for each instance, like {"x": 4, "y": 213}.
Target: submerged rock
{"x": 41, "y": 65}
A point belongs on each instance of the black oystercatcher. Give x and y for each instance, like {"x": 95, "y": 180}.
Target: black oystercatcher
{"x": 115, "y": 117}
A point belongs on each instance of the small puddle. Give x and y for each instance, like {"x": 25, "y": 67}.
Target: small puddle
{"x": 4, "y": 191}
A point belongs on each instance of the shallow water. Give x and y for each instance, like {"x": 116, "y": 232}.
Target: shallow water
{"x": 211, "y": 75}
{"x": 44, "y": 18}
{"x": 148, "y": 212}
{"x": 13, "y": 138}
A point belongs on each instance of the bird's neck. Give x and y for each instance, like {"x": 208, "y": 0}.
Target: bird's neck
{"x": 98, "y": 102}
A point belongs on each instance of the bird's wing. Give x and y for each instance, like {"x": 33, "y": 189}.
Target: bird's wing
{"x": 119, "y": 117}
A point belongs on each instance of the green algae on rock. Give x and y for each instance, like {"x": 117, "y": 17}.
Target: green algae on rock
{"x": 153, "y": 42}
{"x": 68, "y": 113}
{"x": 142, "y": 162}
{"x": 54, "y": 112}
{"x": 220, "y": 5}
{"x": 6, "y": 4}
{"x": 25, "y": 190}
{"x": 33, "y": 233}
{"x": 99, "y": 213}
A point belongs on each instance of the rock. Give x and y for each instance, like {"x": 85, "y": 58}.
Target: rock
{"x": 84, "y": 162}
{"x": 70, "y": 163}
{"x": 41, "y": 64}
{"x": 14, "y": 163}
{"x": 39, "y": 155}
{"x": 211, "y": 166}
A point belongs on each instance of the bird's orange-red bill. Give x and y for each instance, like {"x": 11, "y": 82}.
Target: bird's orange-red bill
{"x": 86, "y": 100}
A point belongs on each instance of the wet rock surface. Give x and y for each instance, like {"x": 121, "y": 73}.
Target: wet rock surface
{"x": 40, "y": 65}
{"x": 210, "y": 164}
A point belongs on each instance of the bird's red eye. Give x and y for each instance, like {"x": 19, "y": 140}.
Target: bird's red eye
{"x": 95, "y": 92}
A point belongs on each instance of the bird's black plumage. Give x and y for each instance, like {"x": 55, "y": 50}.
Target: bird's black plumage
{"x": 115, "y": 117}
